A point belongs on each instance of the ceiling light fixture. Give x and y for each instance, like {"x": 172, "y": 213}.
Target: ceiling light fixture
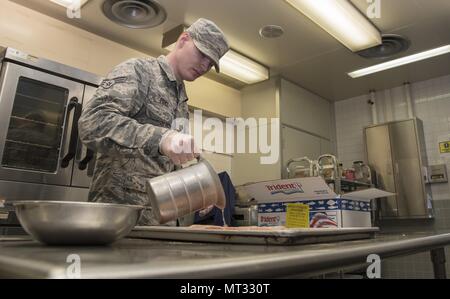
{"x": 342, "y": 20}
{"x": 70, "y": 3}
{"x": 401, "y": 61}
{"x": 232, "y": 64}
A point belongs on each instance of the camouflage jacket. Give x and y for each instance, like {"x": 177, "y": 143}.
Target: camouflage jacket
{"x": 124, "y": 122}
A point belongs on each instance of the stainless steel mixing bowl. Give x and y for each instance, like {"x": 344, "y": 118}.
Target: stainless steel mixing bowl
{"x": 76, "y": 223}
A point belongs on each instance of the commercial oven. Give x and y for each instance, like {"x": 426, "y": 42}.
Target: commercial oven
{"x": 41, "y": 157}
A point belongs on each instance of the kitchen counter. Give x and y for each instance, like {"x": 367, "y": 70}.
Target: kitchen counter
{"x": 139, "y": 258}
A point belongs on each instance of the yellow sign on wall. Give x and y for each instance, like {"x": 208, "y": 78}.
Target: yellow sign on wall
{"x": 444, "y": 147}
{"x": 297, "y": 215}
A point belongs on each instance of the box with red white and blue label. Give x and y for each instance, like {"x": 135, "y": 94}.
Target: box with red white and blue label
{"x": 322, "y": 213}
{"x": 327, "y": 209}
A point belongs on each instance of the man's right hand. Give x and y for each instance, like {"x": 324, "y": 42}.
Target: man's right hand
{"x": 178, "y": 147}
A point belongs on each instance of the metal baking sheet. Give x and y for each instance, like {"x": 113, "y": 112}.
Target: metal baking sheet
{"x": 272, "y": 237}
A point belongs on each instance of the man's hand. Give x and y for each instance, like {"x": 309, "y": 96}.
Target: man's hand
{"x": 178, "y": 147}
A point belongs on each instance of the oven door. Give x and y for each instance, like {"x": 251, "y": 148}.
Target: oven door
{"x": 83, "y": 170}
{"x": 37, "y": 113}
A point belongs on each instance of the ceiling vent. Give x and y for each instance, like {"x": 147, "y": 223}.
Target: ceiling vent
{"x": 135, "y": 13}
{"x": 391, "y": 45}
{"x": 271, "y": 31}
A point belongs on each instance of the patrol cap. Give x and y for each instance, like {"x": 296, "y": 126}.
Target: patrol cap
{"x": 209, "y": 39}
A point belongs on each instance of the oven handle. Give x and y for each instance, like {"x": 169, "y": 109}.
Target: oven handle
{"x": 74, "y": 134}
{"x": 82, "y": 165}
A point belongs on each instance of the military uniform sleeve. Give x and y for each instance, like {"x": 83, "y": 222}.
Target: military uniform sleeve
{"x": 107, "y": 125}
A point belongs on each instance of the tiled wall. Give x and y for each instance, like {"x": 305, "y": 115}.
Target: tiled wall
{"x": 431, "y": 101}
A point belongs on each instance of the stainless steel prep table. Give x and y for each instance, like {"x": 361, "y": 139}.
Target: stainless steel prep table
{"x": 135, "y": 258}
{"x": 282, "y": 237}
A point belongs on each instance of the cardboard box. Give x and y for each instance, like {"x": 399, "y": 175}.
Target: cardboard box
{"x": 327, "y": 209}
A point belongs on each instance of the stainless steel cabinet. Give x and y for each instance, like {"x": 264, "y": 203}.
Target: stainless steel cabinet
{"x": 396, "y": 152}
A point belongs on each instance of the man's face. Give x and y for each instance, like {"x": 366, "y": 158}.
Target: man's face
{"x": 191, "y": 62}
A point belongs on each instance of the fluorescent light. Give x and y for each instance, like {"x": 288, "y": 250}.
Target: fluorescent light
{"x": 401, "y": 61}
{"x": 342, "y": 20}
{"x": 242, "y": 68}
{"x": 70, "y": 3}
{"x": 232, "y": 64}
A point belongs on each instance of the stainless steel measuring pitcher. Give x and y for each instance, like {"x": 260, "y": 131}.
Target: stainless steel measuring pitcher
{"x": 185, "y": 191}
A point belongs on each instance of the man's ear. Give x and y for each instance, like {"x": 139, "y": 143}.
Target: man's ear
{"x": 183, "y": 39}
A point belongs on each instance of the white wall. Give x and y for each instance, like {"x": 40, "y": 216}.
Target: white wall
{"x": 308, "y": 123}
{"x": 305, "y": 110}
{"x": 212, "y": 150}
{"x": 351, "y": 117}
{"x": 432, "y": 105}
{"x": 258, "y": 101}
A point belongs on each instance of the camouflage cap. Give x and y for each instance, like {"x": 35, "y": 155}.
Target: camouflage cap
{"x": 209, "y": 39}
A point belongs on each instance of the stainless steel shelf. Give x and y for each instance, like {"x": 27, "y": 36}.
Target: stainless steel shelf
{"x": 32, "y": 144}
{"x": 38, "y": 99}
{"x": 35, "y": 121}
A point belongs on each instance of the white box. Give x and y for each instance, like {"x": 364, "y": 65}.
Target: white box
{"x": 327, "y": 209}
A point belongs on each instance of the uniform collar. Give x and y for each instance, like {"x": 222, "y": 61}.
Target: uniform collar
{"x": 162, "y": 60}
{"x": 182, "y": 93}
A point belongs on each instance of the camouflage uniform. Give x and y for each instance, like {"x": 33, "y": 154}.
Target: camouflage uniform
{"x": 129, "y": 114}
{"x": 124, "y": 122}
